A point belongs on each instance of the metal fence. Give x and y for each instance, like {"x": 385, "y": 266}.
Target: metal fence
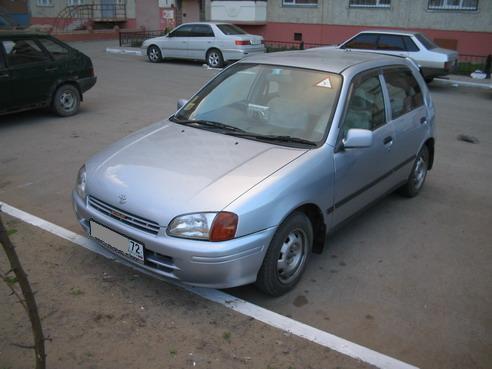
{"x": 272, "y": 46}
{"x": 136, "y": 38}
{"x": 470, "y": 63}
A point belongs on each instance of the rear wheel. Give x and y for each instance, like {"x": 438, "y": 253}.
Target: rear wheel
{"x": 417, "y": 177}
{"x": 154, "y": 54}
{"x": 215, "y": 59}
{"x": 66, "y": 100}
{"x": 287, "y": 256}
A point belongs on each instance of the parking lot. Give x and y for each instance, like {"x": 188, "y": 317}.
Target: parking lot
{"x": 410, "y": 278}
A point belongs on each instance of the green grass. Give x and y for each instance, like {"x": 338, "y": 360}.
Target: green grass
{"x": 12, "y": 231}
{"x": 75, "y": 291}
{"x": 173, "y": 352}
{"x": 10, "y": 280}
{"x": 227, "y": 336}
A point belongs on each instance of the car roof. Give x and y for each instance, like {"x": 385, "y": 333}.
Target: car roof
{"x": 211, "y": 23}
{"x": 329, "y": 60}
{"x": 391, "y": 32}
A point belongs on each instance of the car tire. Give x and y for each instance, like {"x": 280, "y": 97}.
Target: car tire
{"x": 215, "y": 59}
{"x": 66, "y": 100}
{"x": 154, "y": 54}
{"x": 417, "y": 176}
{"x": 287, "y": 255}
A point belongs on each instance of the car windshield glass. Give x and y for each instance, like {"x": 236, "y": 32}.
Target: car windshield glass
{"x": 266, "y": 101}
{"x": 428, "y": 44}
{"x": 231, "y": 29}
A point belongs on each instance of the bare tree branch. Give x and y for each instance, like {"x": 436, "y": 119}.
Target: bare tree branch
{"x": 29, "y": 301}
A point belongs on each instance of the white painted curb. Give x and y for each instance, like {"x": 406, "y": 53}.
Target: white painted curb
{"x": 457, "y": 83}
{"x": 123, "y": 51}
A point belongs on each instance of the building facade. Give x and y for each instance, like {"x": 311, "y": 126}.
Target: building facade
{"x": 464, "y": 25}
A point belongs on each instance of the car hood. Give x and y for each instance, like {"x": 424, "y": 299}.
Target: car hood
{"x": 168, "y": 169}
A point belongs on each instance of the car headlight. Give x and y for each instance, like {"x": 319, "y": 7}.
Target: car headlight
{"x": 219, "y": 226}
{"x": 81, "y": 182}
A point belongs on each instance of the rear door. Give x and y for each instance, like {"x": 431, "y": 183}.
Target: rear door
{"x": 60, "y": 65}
{"x": 408, "y": 115}
{"x": 176, "y": 43}
{"x": 364, "y": 41}
{"x": 364, "y": 174}
{"x": 202, "y": 38}
{"x": 29, "y": 68}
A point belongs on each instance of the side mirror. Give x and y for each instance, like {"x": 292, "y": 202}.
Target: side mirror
{"x": 357, "y": 139}
{"x": 181, "y": 103}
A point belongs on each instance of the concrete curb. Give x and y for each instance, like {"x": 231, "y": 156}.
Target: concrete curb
{"x": 457, "y": 83}
{"x": 124, "y": 51}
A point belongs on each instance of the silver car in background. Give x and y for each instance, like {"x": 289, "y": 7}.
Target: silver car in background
{"x": 432, "y": 60}
{"x": 246, "y": 179}
{"x": 215, "y": 43}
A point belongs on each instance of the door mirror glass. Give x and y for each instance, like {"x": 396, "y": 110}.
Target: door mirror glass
{"x": 358, "y": 138}
{"x": 181, "y": 103}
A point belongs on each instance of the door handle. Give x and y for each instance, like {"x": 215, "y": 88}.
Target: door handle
{"x": 388, "y": 140}
{"x": 423, "y": 120}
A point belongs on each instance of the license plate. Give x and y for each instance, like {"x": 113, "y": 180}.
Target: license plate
{"x": 117, "y": 242}
{"x": 255, "y": 42}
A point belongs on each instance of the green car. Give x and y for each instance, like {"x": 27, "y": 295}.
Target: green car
{"x": 38, "y": 71}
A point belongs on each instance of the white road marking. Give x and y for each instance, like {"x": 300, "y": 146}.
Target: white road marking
{"x": 246, "y": 308}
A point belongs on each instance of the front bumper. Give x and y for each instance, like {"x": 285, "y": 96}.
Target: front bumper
{"x": 86, "y": 83}
{"x": 200, "y": 263}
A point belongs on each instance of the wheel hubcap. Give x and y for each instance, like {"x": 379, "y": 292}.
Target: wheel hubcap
{"x": 419, "y": 172}
{"x": 292, "y": 256}
{"x": 67, "y": 100}
{"x": 153, "y": 54}
{"x": 213, "y": 59}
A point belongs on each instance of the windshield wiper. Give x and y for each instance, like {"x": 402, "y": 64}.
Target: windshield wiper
{"x": 207, "y": 123}
{"x": 276, "y": 138}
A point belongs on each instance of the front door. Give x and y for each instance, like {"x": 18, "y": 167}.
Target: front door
{"x": 29, "y": 68}
{"x": 175, "y": 44}
{"x": 364, "y": 174}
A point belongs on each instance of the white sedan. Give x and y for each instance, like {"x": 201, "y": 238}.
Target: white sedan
{"x": 216, "y": 43}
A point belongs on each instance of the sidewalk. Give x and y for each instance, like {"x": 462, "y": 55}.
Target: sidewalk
{"x": 467, "y": 81}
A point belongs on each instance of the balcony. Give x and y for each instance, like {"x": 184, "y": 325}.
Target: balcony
{"x": 239, "y": 12}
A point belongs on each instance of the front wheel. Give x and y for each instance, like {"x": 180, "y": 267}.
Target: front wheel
{"x": 66, "y": 101}
{"x": 417, "y": 176}
{"x": 215, "y": 59}
{"x": 287, "y": 256}
{"x": 154, "y": 54}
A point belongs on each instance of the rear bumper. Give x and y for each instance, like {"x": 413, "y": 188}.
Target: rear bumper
{"x": 237, "y": 54}
{"x": 448, "y": 68}
{"x": 200, "y": 263}
{"x": 86, "y": 83}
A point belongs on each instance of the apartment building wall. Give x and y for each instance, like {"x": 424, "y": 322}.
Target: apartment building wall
{"x": 333, "y": 21}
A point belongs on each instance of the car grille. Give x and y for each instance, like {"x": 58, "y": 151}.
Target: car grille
{"x": 124, "y": 217}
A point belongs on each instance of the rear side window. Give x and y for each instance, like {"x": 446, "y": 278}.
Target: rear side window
{"x": 202, "y": 30}
{"x": 231, "y": 29}
{"x": 20, "y": 52}
{"x": 409, "y": 44}
{"x": 404, "y": 91}
{"x": 363, "y": 41}
{"x": 391, "y": 43}
{"x": 56, "y": 50}
{"x": 428, "y": 44}
{"x": 365, "y": 109}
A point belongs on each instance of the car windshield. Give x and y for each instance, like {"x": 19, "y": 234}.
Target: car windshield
{"x": 266, "y": 102}
{"x": 424, "y": 40}
{"x": 231, "y": 29}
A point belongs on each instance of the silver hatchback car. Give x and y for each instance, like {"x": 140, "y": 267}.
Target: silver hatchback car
{"x": 246, "y": 179}
{"x": 216, "y": 43}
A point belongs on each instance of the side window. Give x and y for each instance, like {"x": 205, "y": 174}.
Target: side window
{"x": 21, "y": 52}
{"x": 365, "y": 109}
{"x": 363, "y": 41}
{"x": 391, "y": 43}
{"x": 202, "y": 30}
{"x": 409, "y": 44}
{"x": 56, "y": 50}
{"x": 404, "y": 91}
{"x": 183, "y": 31}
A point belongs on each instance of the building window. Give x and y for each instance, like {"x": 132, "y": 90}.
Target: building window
{"x": 369, "y": 3}
{"x": 44, "y": 2}
{"x": 453, "y": 4}
{"x": 75, "y": 2}
{"x": 300, "y": 2}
